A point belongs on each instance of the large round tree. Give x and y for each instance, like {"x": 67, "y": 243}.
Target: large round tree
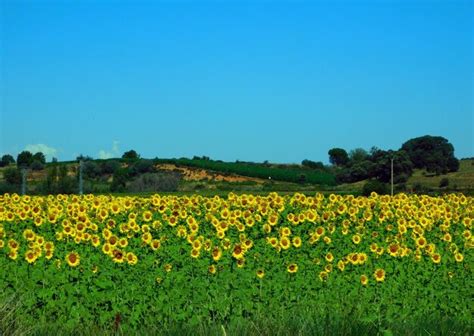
{"x": 433, "y": 153}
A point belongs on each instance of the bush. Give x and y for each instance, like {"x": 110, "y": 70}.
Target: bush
{"x": 375, "y": 186}
{"x": 444, "y": 182}
{"x": 37, "y": 165}
{"x": 149, "y": 182}
{"x": 109, "y": 167}
{"x": 12, "y": 176}
{"x": 141, "y": 167}
{"x": 90, "y": 169}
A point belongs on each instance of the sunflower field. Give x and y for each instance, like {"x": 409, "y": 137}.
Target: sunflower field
{"x": 333, "y": 264}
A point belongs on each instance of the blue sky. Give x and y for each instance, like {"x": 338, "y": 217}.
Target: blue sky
{"x": 258, "y": 80}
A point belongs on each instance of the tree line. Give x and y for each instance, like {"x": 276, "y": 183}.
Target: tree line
{"x": 433, "y": 153}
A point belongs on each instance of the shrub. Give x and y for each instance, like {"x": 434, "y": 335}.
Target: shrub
{"x": 375, "y": 186}
{"x": 444, "y": 182}
{"x": 153, "y": 182}
{"x": 37, "y": 165}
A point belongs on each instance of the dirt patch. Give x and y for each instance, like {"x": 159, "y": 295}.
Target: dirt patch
{"x": 197, "y": 174}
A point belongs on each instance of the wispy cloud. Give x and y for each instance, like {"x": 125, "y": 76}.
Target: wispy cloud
{"x": 114, "y": 152}
{"x": 49, "y": 152}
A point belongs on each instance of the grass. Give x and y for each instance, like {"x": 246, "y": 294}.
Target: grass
{"x": 293, "y": 324}
{"x": 462, "y": 179}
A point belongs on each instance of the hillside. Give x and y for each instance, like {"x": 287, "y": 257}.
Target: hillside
{"x": 463, "y": 179}
{"x": 184, "y": 175}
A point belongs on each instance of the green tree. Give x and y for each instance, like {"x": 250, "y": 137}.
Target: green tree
{"x": 338, "y": 157}
{"x": 131, "y": 155}
{"x": 358, "y": 155}
{"x": 24, "y": 159}
{"x": 433, "y": 153}
{"x": 12, "y": 176}
{"x": 119, "y": 180}
{"x": 375, "y": 186}
{"x": 39, "y": 156}
{"x": 402, "y": 166}
{"x": 37, "y": 165}
{"x": 312, "y": 164}
{"x": 6, "y": 160}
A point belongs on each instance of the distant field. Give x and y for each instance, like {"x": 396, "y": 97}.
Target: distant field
{"x": 205, "y": 181}
{"x": 462, "y": 179}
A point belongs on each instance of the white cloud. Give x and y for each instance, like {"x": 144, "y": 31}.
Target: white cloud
{"x": 114, "y": 152}
{"x": 49, "y": 152}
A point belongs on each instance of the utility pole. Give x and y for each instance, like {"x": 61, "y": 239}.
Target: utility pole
{"x": 23, "y": 181}
{"x": 391, "y": 175}
{"x": 81, "y": 184}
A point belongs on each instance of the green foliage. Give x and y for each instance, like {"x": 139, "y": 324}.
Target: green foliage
{"x": 155, "y": 182}
{"x": 402, "y": 166}
{"x": 91, "y": 169}
{"x": 12, "y": 176}
{"x": 131, "y": 155}
{"x": 6, "y": 160}
{"x": 141, "y": 166}
{"x": 358, "y": 155}
{"x": 39, "y": 156}
{"x": 24, "y": 159}
{"x": 57, "y": 181}
{"x": 37, "y": 165}
{"x": 444, "y": 182}
{"x": 338, "y": 156}
{"x": 375, "y": 186}
{"x": 313, "y": 165}
{"x": 119, "y": 180}
{"x": 433, "y": 153}
{"x": 109, "y": 167}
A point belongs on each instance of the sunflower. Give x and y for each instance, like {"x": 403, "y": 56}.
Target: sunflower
{"x": 421, "y": 242}
{"x": 364, "y": 279}
{"x": 118, "y": 256}
{"x": 49, "y": 254}
{"x": 458, "y": 257}
{"x": 212, "y": 269}
{"x": 341, "y": 265}
{"x": 436, "y": 258}
{"x": 285, "y": 243}
{"x": 13, "y": 244}
{"x": 49, "y": 245}
{"x": 260, "y": 273}
{"x": 107, "y": 248}
{"x": 296, "y": 241}
{"x": 292, "y": 268}
{"x": 216, "y": 253}
{"x": 241, "y": 262}
{"x": 30, "y": 256}
{"x": 327, "y": 240}
{"x": 323, "y": 275}
{"x": 195, "y": 253}
{"x": 13, "y": 254}
{"x": 168, "y": 268}
{"x": 147, "y": 216}
{"x": 329, "y": 257}
{"x": 146, "y": 237}
{"x": 73, "y": 259}
{"x": 131, "y": 258}
{"x": 29, "y": 235}
{"x": 238, "y": 252}
{"x": 379, "y": 275}
{"x": 356, "y": 239}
